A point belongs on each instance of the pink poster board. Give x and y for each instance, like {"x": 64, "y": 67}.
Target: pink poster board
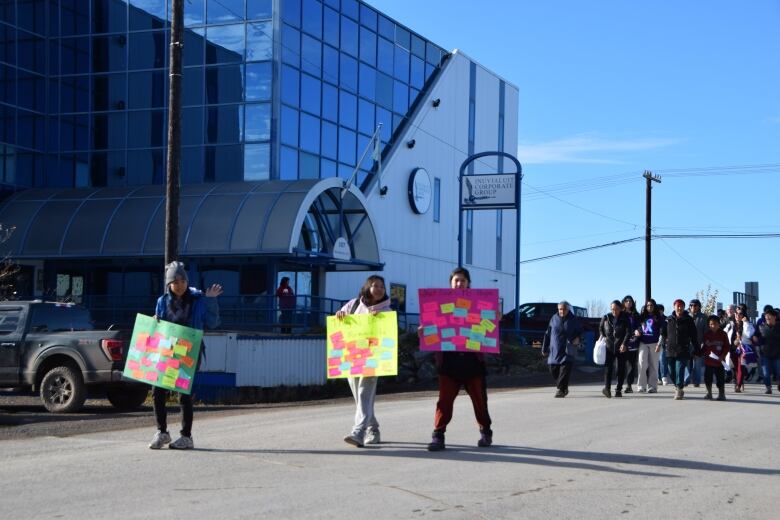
{"x": 459, "y": 320}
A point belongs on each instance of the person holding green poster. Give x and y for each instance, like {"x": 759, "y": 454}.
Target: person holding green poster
{"x": 193, "y": 308}
{"x": 456, "y": 370}
{"x": 372, "y": 299}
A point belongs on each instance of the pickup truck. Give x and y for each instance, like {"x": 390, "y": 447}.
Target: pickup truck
{"x": 535, "y": 317}
{"x": 53, "y": 349}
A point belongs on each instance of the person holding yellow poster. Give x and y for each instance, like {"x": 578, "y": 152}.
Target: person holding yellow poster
{"x": 372, "y": 299}
{"x": 193, "y": 308}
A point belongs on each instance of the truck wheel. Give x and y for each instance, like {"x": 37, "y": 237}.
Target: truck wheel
{"x": 63, "y": 390}
{"x": 127, "y": 397}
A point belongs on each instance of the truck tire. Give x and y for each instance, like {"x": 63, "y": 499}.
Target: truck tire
{"x": 127, "y": 397}
{"x": 63, "y": 390}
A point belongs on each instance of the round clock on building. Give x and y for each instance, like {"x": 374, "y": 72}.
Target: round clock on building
{"x": 420, "y": 190}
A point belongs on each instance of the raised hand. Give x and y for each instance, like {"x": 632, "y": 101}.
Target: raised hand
{"x": 214, "y": 291}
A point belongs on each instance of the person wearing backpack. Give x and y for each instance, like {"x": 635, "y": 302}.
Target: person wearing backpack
{"x": 372, "y": 299}
{"x": 616, "y": 330}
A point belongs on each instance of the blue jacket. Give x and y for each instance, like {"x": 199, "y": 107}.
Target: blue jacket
{"x": 557, "y": 340}
{"x": 205, "y": 311}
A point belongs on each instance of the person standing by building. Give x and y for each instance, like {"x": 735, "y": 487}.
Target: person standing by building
{"x": 680, "y": 339}
{"x": 560, "y": 345}
{"x": 632, "y": 345}
{"x": 616, "y": 331}
{"x": 372, "y": 299}
{"x": 456, "y": 370}
{"x": 286, "y": 297}
{"x": 190, "y": 307}
{"x": 700, "y": 320}
{"x": 649, "y": 334}
{"x": 714, "y": 351}
{"x": 769, "y": 332}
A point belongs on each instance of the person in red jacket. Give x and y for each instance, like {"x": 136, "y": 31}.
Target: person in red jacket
{"x": 286, "y": 297}
{"x": 714, "y": 351}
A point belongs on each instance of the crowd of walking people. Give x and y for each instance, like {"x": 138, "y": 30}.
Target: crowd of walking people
{"x": 682, "y": 348}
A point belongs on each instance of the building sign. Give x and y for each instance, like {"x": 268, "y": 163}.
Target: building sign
{"x": 488, "y": 191}
{"x": 341, "y": 249}
{"x": 420, "y": 191}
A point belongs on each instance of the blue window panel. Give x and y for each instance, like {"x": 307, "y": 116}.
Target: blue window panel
{"x": 259, "y": 9}
{"x": 367, "y": 46}
{"x": 347, "y": 144}
{"x": 224, "y": 43}
{"x": 349, "y": 73}
{"x": 386, "y": 57}
{"x": 192, "y": 165}
{"x": 384, "y": 90}
{"x": 259, "y": 78}
{"x": 418, "y": 47}
{"x": 311, "y": 91}
{"x": 308, "y": 166}
{"x": 8, "y": 46}
{"x": 402, "y": 37}
{"x": 312, "y": 17}
{"x": 413, "y": 93}
{"x": 112, "y": 18}
{"x": 223, "y": 11}
{"x": 75, "y": 52}
{"x": 327, "y": 169}
{"x": 345, "y": 172}
{"x": 290, "y": 85}
{"x": 428, "y": 70}
{"x": 385, "y": 117}
{"x": 192, "y": 126}
{"x": 147, "y": 89}
{"x": 310, "y": 133}
{"x": 223, "y": 124}
{"x": 147, "y": 14}
{"x": 432, "y": 54}
{"x": 227, "y": 161}
{"x": 145, "y": 128}
{"x": 367, "y": 81}
{"x": 417, "y": 73}
{"x": 32, "y": 53}
{"x": 335, "y": 4}
{"x": 368, "y": 17}
{"x": 347, "y": 110}
{"x": 350, "y": 8}
{"x": 362, "y": 144}
{"x": 330, "y": 103}
{"x": 291, "y": 12}
{"x": 366, "y": 117}
{"x": 330, "y": 24}
{"x": 349, "y": 36}
{"x": 259, "y": 41}
{"x": 8, "y": 88}
{"x": 225, "y": 84}
{"x": 193, "y": 42}
{"x": 32, "y": 91}
{"x": 330, "y": 64}
{"x": 257, "y": 162}
{"x": 401, "y": 64}
{"x": 289, "y": 126}
{"x": 147, "y": 50}
{"x": 329, "y": 144}
{"x": 386, "y": 28}
{"x": 397, "y": 120}
{"x": 288, "y": 164}
{"x": 145, "y": 166}
{"x": 291, "y": 46}
{"x": 258, "y": 122}
{"x": 311, "y": 55}
{"x": 194, "y": 12}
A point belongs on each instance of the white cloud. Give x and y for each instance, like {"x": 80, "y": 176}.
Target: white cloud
{"x": 586, "y": 149}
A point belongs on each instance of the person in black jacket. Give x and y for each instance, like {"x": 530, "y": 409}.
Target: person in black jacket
{"x": 616, "y": 330}
{"x": 769, "y": 332}
{"x": 681, "y": 337}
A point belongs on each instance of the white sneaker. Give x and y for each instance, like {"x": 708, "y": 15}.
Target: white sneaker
{"x": 666, "y": 380}
{"x": 354, "y": 439}
{"x": 159, "y": 440}
{"x": 372, "y": 437}
{"x": 182, "y": 443}
{"x": 641, "y": 390}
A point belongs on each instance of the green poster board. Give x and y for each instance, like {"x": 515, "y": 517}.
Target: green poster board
{"x": 163, "y": 354}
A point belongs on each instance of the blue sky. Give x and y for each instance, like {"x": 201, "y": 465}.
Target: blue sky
{"x": 687, "y": 89}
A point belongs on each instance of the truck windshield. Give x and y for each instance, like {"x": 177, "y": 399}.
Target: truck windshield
{"x": 59, "y": 318}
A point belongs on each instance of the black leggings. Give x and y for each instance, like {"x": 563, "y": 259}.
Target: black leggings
{"x": 632, "y": 357}
{"x": 720, "y": 376}
{"x": 621, "y": 358}
{"x": 161, "y": 412}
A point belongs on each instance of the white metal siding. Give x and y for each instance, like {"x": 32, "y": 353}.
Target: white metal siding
{"x": 270, "y": 361}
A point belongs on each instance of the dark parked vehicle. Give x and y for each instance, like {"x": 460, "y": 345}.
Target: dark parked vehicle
{"x": 535, "y": 317}
{"x": 53, "y": 349}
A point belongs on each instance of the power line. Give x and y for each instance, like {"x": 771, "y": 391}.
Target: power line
{"x": 575, "y": 251}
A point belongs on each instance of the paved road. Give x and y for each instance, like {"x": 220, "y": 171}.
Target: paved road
{"x": 643, "y": 456}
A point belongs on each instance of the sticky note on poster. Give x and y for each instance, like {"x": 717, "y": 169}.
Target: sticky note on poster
{"x": 461, "y": 320}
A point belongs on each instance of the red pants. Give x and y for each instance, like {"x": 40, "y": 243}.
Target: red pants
{"x": 448, "y": 391}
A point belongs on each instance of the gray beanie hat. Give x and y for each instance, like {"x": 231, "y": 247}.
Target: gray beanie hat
{"x": 172, "y": 270}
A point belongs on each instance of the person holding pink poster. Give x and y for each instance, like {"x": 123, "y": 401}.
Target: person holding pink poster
{"x": 456, "y": 370}
{"x": 193, "y": 308}
{"x": 372, "y": 299}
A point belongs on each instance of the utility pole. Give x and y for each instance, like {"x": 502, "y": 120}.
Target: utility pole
{"x": 174, "y": 134}
{"x": 648, "y": 211}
